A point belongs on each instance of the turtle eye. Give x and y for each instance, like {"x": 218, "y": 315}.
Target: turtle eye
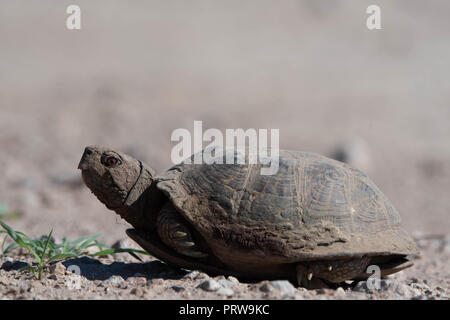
{"x": 112, "y": 162}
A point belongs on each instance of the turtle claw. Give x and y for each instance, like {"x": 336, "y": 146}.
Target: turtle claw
{"x": 179, "y": 234}
{"x": 186, "y": 244}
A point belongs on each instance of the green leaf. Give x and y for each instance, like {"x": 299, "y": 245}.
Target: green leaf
{"x": 102, "y": 253}
{"x": 9, "y": 230}
{"x": 88, "y": 241}
{"x": 18, "y": 239}
{"x": 46, "y": 245}
{"x": 8, "y": 248}
{"x": 65, "y": 244}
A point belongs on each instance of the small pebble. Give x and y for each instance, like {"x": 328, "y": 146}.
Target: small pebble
{"x": 226, "y": 283}
{"x": 23, "y": 288}
{"x": 53, "y": 277}
{"x": 196, "y": 275}
{"x": 233, "y": 279}
{"x": 138, "y": 281}
{"x": 137, "y": 291}
{"x": 8, "y": 259}
{"x": 58, "y": 269}
{"x": 114, "y": 280}
{"x": 340, "y": 291}
{"x": 210, "y": 285}
{"x": 266, "y": 287}
{"x": 283, "y": 285}
{"x": 225, "y": 292}
{"x": 319, "y": 291}
{"x": 124, "y": 244}
{"x": 177, "y": 288}
{"x": 156, "y": 282}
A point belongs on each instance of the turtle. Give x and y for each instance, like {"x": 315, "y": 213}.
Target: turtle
{"x": 317, "y": 222}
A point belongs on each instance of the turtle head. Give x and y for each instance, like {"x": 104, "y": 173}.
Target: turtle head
{"x": 122, "y": 183}
{"x": 109, "y": 174}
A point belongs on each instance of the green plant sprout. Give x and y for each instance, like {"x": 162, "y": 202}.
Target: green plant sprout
{"x": 45, "y": 250}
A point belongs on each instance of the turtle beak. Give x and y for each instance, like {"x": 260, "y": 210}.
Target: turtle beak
{"x": 84, "y": 163}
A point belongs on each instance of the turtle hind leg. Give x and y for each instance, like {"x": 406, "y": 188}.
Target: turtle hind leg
{"x": 324, "y": 274}
{"x": 175, "y": 233}
{"x": 306, "y": 279}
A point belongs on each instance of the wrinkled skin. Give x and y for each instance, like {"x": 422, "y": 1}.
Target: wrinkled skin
{"x": 110, "y": 181}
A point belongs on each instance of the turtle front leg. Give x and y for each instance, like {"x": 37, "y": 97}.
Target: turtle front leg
{"x": 175, "y": 233}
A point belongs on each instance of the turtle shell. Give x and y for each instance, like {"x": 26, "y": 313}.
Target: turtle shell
{"x": 313, "y": 208}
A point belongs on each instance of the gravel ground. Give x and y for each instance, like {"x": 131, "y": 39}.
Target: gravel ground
{"x": 121, "y": 278}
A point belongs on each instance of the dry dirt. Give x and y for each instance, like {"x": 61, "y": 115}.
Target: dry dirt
{"x": 119, "y": 277}
{"x": 135, "y": 72}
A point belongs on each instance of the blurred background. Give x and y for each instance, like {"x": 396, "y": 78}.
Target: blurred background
{"x": 138, "y": 70}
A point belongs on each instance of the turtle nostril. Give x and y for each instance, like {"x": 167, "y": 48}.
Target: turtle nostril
{"x": 88, "y": 151}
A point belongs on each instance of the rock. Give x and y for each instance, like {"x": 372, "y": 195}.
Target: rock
{"x": 58, "y": 268}
{"x": 156, "y": 282}
{"x": 177, "y": 288}
{"x": 125, "y": 244}
{"x": 226, "y": 283}
{"x": 210, "y": 285}
{"x": 53, "y": 277}
{"x": 114, "y": 280}
{"x": 266, "y": 287}
{"x": 137, "y": 291}
{"x": 225, "y": 292}
{"x": 414, "y": 280}
{"x": 420, "y": 286}
{"x": 94, "y": 250}
{"x": 23, "y": 288}
{"x": 4, "y": 281}
{"x": 11, "y": 291}
{"x": 137, "y": 281}
{"x": 340, "y": 291}
{"x": 233, "y": 279}
{"x": 196, "y": 275}
{"x": 283, "y": 285}
{"x": 319, "y": 291}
